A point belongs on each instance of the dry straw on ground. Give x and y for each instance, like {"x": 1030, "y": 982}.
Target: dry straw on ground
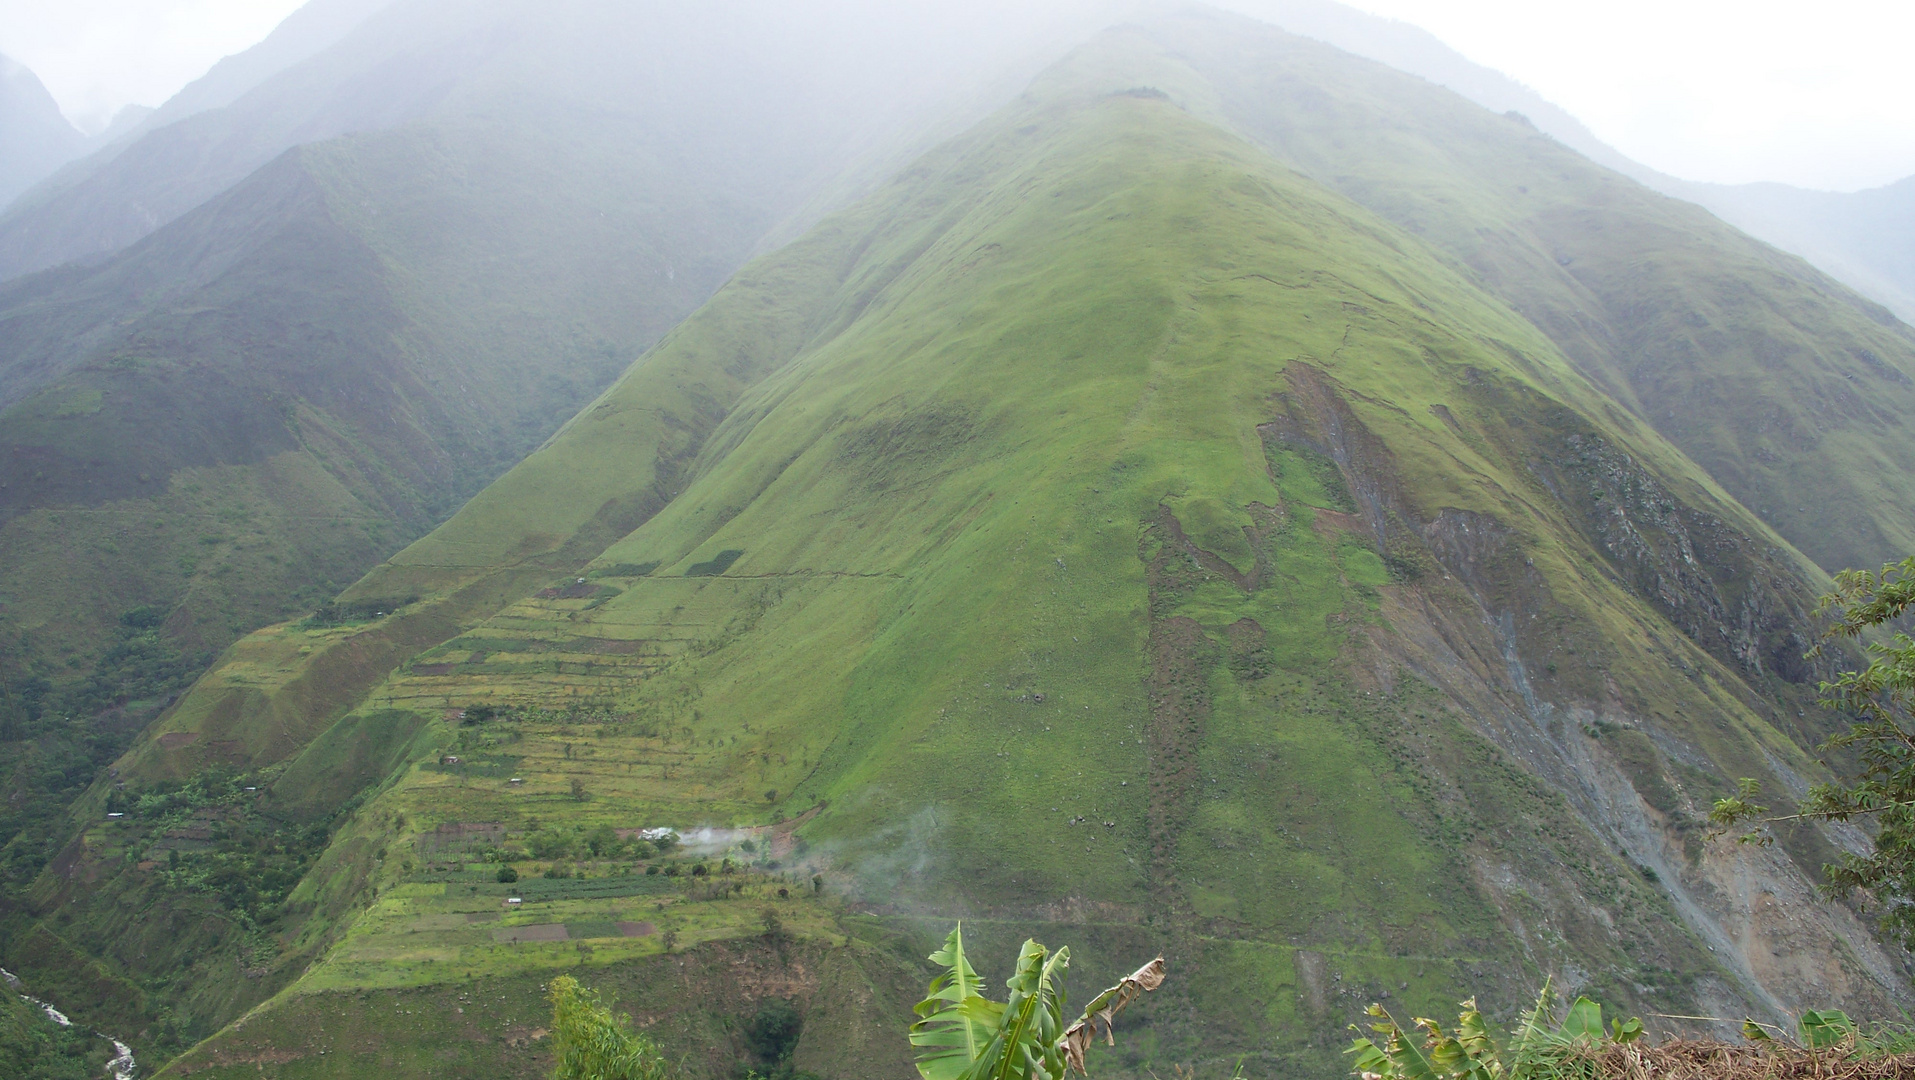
{"x": 1700, "y": 1059}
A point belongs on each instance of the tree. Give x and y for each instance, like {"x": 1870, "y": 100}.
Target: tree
{"x": 1880, "y": 698}
{"x": 591, "y": 1044}
{"x": 602, "y": 840}
{"x": 963, "y": 1035}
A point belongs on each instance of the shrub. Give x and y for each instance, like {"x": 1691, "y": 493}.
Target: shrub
{"x": 344, "y": 611}
{"x": 772, "y": 1035}
{"x": 508, "y": 875}
{"x": 591, "y": 1044}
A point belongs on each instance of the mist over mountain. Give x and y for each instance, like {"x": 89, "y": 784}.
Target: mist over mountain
{"x": 35, "y": 137}
{"x": 311, "y": 29}
{"x": 224, "y": 423}
{"x": 1862, "y": 238}
{"x": 865, "y": 64}
{"x": 561, "y": 205}
{"x": 1141, "y": 478}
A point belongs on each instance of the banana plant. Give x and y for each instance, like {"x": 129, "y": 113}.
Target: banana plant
{"x": 1540, "y": 1046}
{"x": 963, "y": 1035}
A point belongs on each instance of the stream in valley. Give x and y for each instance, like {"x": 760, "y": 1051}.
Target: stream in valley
{"x": 122, "y": 1066}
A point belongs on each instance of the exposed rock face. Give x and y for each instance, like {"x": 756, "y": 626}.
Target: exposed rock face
{"x": 1485, "y": 633}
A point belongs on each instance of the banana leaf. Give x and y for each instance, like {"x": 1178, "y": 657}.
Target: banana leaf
{"x": 1825, "y": 1027}
{"x": 1584, "y": 1022}
{"x": 955, "y": 1020}
{"x": 1028, "y": 1041}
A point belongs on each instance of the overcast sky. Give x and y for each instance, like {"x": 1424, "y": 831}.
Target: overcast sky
{"x": 97, "y": 55}
{"x": 1809, "y": 92}
{"x": 1819, "y": 93}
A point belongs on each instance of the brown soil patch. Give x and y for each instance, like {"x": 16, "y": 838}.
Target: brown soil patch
{"x": 173, "y": 740}
{"x": 536, "y": 932}
{"x": 610, "y": 646}
{"x": 1179, "y": 705}
{"x": 636, "y": 929}
{"x": 1171, "y": 532}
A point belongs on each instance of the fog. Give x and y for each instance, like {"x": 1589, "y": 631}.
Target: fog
{"x": 801, "y": 107}
{"x": 1700, "y": 89}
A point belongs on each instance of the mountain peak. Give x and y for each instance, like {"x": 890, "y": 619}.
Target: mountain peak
{"x": 35, "y": 136}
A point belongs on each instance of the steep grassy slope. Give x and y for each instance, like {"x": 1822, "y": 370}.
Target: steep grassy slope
{"x": 1112, "y": 534}
{"x": 219, "y": 426}
{"x": 218, "y": 429}
{"x": 1103, "y": 531}
{"x": 1792, "y": 391}
{"x": 279, "y": 690}
{"x": 416, "y": 307}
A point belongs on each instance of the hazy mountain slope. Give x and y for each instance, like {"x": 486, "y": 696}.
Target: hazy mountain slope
{"x": 1412, "y": 49}
{"x": 308, "y": 30}
{"x": 393, "y": 70}
{"x": 315, "y": 26}
{"x": 35, "y": 138}
{"x": 291, "y": 383}
{"x": 215, "y": 428}
{"x": 1103, "y": 531}
{"x": 339, "y": 326}
{"x": 815, "y": 85}
{"x": 1864, "y": 238}
{"x": 1793, "y": 392}
{"x": 537, "y": 521}
{"x": 1861, "y": 239}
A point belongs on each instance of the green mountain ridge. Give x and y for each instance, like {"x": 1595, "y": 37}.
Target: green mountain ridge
{"x": 1203, "y": 509}
{"x": 338, "y": 363}
{"x": 218, "y": 426}
{"x": 259, "y": 402}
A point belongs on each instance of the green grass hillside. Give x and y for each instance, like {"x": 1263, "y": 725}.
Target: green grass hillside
{"x": 1791, "y": 390}
{"x": 1104, "y": 532}
{"x": 227, "y": 424}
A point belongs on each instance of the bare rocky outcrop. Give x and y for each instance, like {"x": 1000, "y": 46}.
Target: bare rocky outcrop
{"x": 1488, "y": 629}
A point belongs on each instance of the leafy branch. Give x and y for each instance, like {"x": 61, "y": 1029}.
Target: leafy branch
{"x": 1879, "y": 698}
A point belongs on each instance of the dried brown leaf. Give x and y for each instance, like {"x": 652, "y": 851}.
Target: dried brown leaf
{"x": 1104, "y": 1009}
